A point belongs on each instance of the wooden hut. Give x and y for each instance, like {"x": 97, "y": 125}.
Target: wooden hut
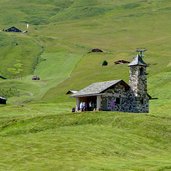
{"x": 3, "y": 100}
{"x": 12, "y": 29}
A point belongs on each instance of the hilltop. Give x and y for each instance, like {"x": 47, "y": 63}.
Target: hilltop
{"x": 37, "y": 129}
{"x": 61, "y": 34}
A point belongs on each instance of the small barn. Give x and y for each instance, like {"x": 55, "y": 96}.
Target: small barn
{"x": 121, "y": 62}
{"x": 96, "y": 50}
{"x": 1, "y": 77}
{"x": 12, "y": 29}
{"x": 3, "y": 100}
{"x": 117, "y": 95}
{"x": 71, "y": 92}
{"x": 35, "y": 77}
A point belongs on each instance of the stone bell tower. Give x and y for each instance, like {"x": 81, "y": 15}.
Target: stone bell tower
{"x": 138, "y": 84}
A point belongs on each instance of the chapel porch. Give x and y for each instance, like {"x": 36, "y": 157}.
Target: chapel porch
{"x": 88, "y": 103}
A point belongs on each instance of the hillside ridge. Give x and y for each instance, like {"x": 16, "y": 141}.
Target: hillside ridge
{"x": 38, "y": 131}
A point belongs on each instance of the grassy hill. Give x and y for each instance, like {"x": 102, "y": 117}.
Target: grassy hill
{"x": 44, "y": 137}
{"x": 37, "y": 129}
{"x": 61, "y": 33}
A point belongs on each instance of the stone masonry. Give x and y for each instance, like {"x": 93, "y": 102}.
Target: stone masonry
{"x": 133, "y": 100}
{"x": 116, "y": 95}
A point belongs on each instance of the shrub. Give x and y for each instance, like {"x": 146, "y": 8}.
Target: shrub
{"x": 105, "y": 63}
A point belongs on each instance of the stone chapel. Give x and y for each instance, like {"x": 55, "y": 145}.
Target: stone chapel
{"x": 117, "y": 95}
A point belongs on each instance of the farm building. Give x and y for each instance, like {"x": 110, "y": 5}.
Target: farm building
{"x": 121, "y": 62}
{"x": 3, "y": 100}
{"x": 35, "y": 77}
{"x": 1, "y": 77}
{"x": 71, "y": 92}
{"x": 117, "y": 95}
{"x": 12, "y": 29}
{"x": 96, "y": 50}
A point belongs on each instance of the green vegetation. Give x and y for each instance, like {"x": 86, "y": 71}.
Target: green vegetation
{"x": 37, "y": 129}
{"x": 104, "y": 63}
{"x": 44, "y": 137}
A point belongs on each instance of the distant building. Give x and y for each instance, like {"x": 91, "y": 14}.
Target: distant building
{"x": 3, "y": 100}
{"x": 121, "y": 62}
{"x": 35, "y": 77}
{"x": 12, "y": 29}
{"x": 71, "y": 92}
{"x": 117, "y": 95}
{"x": 1, "y": 77}
{"x": 96, "y": 50}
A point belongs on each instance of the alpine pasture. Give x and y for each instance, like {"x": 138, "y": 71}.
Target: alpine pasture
{"x": 37, "y": 129}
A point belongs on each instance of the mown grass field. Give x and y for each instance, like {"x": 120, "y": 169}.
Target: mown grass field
{"x": 38, "y": 130}
{"x": 47, "y": 137}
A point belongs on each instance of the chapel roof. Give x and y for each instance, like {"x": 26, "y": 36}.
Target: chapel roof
{"x": 97, "y": 88}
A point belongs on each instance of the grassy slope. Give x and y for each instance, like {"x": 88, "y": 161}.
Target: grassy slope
{"x": 47, "y": 136}
{"x": 117, "y": 27}
{"x": 38, "y": 46}
{"x": 87, "y": 141}
{"x": 119, "y": 32}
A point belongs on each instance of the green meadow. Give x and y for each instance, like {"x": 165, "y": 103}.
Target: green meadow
{"x": 37, "y": 129}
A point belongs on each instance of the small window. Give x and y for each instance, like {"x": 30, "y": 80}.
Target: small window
{"x": 142, "y": 101}
{"x": 141, "y": 71}
{"x": 118, "y": 100}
